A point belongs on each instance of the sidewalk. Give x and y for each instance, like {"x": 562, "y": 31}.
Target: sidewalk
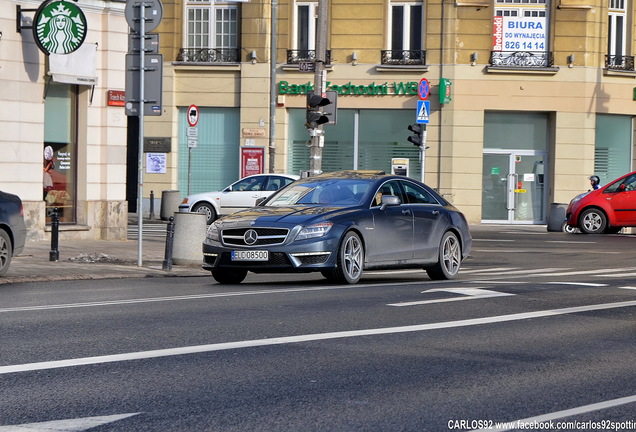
{"x": 97, "y": 259}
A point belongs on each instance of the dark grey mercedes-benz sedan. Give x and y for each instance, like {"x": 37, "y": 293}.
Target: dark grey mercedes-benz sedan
{"x": 12, "y": 229}
{"x": 340, "y": 224}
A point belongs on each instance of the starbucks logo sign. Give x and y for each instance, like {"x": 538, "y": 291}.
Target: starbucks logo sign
{"x": 59, "y": 27}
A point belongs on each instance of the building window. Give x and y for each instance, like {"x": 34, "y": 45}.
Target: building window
{"x": 211, "y": 32}
{"x": 520, "y": 34}
{"x": 617, "y": 37}
{"x": 405, "y": 33}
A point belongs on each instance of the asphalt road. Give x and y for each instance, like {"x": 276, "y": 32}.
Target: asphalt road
{"x": 539, "y": 327}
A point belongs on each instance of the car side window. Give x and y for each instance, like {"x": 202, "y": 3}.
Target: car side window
{"x": 389, "y": 188}
{"x": 417, "y": 195}
{"x": 275, "y": 183}
{"x": 249, "y": 184}
{"x": 629, "y": 184}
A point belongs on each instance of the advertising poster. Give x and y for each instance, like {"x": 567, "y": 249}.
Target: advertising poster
{"x": 519, "y": 34}
{"x": 252, "y": 159}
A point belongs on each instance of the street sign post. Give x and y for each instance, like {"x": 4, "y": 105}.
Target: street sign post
{"x": 424, "y": 89}
{"x": 423, "y": 111}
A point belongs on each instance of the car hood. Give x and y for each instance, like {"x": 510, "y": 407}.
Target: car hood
{"x": 295, "y": 215}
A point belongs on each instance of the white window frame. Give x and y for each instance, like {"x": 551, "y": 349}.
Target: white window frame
{"x": 616, "y": 12}
{"x": 211, "y": 30}
{"x": 406, "y": 20}
{"x": 311, "y": 30}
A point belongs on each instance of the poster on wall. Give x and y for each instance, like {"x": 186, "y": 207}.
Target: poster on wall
{"x": 252, "y": 159}
{"x": 155, "y": 163}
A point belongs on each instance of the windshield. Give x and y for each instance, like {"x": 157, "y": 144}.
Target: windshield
{"x": 338, "y": 192}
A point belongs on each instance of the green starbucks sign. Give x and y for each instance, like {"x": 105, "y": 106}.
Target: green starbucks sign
{"x": 59, "y": 27}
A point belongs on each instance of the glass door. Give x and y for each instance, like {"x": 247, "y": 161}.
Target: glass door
{"x": 513, "y": 187}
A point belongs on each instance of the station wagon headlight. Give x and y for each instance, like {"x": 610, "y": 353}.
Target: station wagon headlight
{"x": 213, "y": 233}
{"x": 316, "y": 230}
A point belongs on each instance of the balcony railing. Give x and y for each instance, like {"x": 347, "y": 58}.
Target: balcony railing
{"x": 403, "y": 57}
{"x": 301, "y": 56}
{"x": 522, "y": 59}
{"x": 208, "y": 55}
{"x": 619, "y": 62}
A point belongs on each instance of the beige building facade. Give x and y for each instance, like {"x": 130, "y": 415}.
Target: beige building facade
{"x": 64, "y": 143}
{"x": 541, "y": 95}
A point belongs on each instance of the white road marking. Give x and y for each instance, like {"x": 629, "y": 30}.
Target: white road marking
{"x": 70, "y": 425}
{"x": 55, "y": 364}
{"x": 487, "y": 270}
{"x": 586, "y": 272}
{"x": 471, "y": 293}
{"x": 617, "y": 275}
{"x": 577, "y": 283}
{"x": 628, "y": 287}
{"x": 515, "y": 424}
{"x": 525, "y": 272}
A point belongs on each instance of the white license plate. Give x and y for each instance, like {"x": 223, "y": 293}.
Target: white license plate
{"x": 251, "y": 255}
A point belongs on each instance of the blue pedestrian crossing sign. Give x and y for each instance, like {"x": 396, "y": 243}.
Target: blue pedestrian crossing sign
{"x": 423, "y": 111}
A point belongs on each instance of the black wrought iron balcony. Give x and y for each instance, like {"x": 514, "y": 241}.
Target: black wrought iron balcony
{"x": 619, "y": 62}
{"x": 522, "y": 59}
{"x": 208, "y": 55}
{"x": 403, "y": 57}
{"x": 301, "y": 56}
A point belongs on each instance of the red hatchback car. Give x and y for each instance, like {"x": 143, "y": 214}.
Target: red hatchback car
{"x": 607, "y": 209}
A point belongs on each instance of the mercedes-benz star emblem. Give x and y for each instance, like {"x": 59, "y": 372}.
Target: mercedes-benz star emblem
{"x": 250, "y": 237}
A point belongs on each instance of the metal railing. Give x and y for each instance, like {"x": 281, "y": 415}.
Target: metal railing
{"x": 522, "y": 59}
{"x": 208, "y": 55}
{"x": 300, "y": 56}
{"x": 619, "y": 62}
{"x": 403, "y": 57}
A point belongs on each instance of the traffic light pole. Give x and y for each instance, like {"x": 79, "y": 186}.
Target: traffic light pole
{"x": 320, "y": 81}
{"x": 423, "y": 153}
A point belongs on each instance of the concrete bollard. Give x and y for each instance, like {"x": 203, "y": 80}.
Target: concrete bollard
{"x": 189, "y": 233}
{"x": 170, "y": 200}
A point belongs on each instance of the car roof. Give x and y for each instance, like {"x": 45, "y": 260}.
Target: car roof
{"x": 351, "y": 174}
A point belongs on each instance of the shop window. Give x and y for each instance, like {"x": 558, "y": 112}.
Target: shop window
{"x": 405, "y": 34}
{"x": 59, "y": 152}
{"x": 613, "y": 149}
{"x": 211, "y": 32}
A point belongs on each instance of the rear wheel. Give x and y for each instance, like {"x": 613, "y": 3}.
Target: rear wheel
{"x": 449, "y": 260}
{"x": 207, "y": 210}
{"x": 229, "y": 276}
{"x": 350, "y": 260}
{"x": 6, "y": 252}
{"x": 592, "y": 221}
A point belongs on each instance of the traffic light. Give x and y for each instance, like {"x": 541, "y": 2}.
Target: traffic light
{"x": 316, "y": 117}
{"x": 416, "y": 138}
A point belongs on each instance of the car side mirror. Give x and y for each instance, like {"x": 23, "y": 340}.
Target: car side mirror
{"x": 389, "y": 201}
{"x": 260, "y": 201}
{"x": 622, "y": 188}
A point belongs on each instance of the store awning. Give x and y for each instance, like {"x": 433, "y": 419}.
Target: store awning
{"x": 77, "y": 67}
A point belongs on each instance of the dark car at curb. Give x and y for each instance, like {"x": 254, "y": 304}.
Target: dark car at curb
{"x": 340, "y": 224}
{"x": 12, "y": 229}
{"x": 605, "y": 210}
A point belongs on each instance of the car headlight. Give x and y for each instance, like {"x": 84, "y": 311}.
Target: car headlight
{"x": 213, "y": 233}
{"x": 312, "y": 231}
{"x": 578, "y": 198}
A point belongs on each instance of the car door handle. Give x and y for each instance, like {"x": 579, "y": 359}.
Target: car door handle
{"x": 406, "y": 212}
{"x": 435, "y": 212}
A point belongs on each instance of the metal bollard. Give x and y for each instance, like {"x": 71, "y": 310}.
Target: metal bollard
{"x": 152, "y": 205}
{"x": 54, "y": 254}
{"x": 167, "y": 262}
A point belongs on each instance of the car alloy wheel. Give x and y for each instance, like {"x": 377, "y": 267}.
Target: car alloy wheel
{"x": 350, "y": 260}
{"x": 593, "y": 221}
{"x": 450, "y": 258}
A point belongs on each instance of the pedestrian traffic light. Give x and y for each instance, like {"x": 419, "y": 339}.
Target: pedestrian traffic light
{"x": 416, "y": 138}
{"x": 315, "y": 117}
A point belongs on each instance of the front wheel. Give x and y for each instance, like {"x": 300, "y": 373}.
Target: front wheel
{"x": 592, "y": 221}
{"x": 449, "y": 260}
{"x": 207, "y": 210}
{"x": 233, "y": 276}
{"x": 6, "y": 252}
{"x": 350, "y": 260}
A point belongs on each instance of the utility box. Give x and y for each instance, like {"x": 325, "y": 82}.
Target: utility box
{"x": 400, "y": 166}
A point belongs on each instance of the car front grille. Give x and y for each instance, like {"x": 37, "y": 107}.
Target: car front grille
{"x": 264, "y": 236}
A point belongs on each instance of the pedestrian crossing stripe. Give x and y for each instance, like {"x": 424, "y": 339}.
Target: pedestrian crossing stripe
{"x": 423, "y": 111}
